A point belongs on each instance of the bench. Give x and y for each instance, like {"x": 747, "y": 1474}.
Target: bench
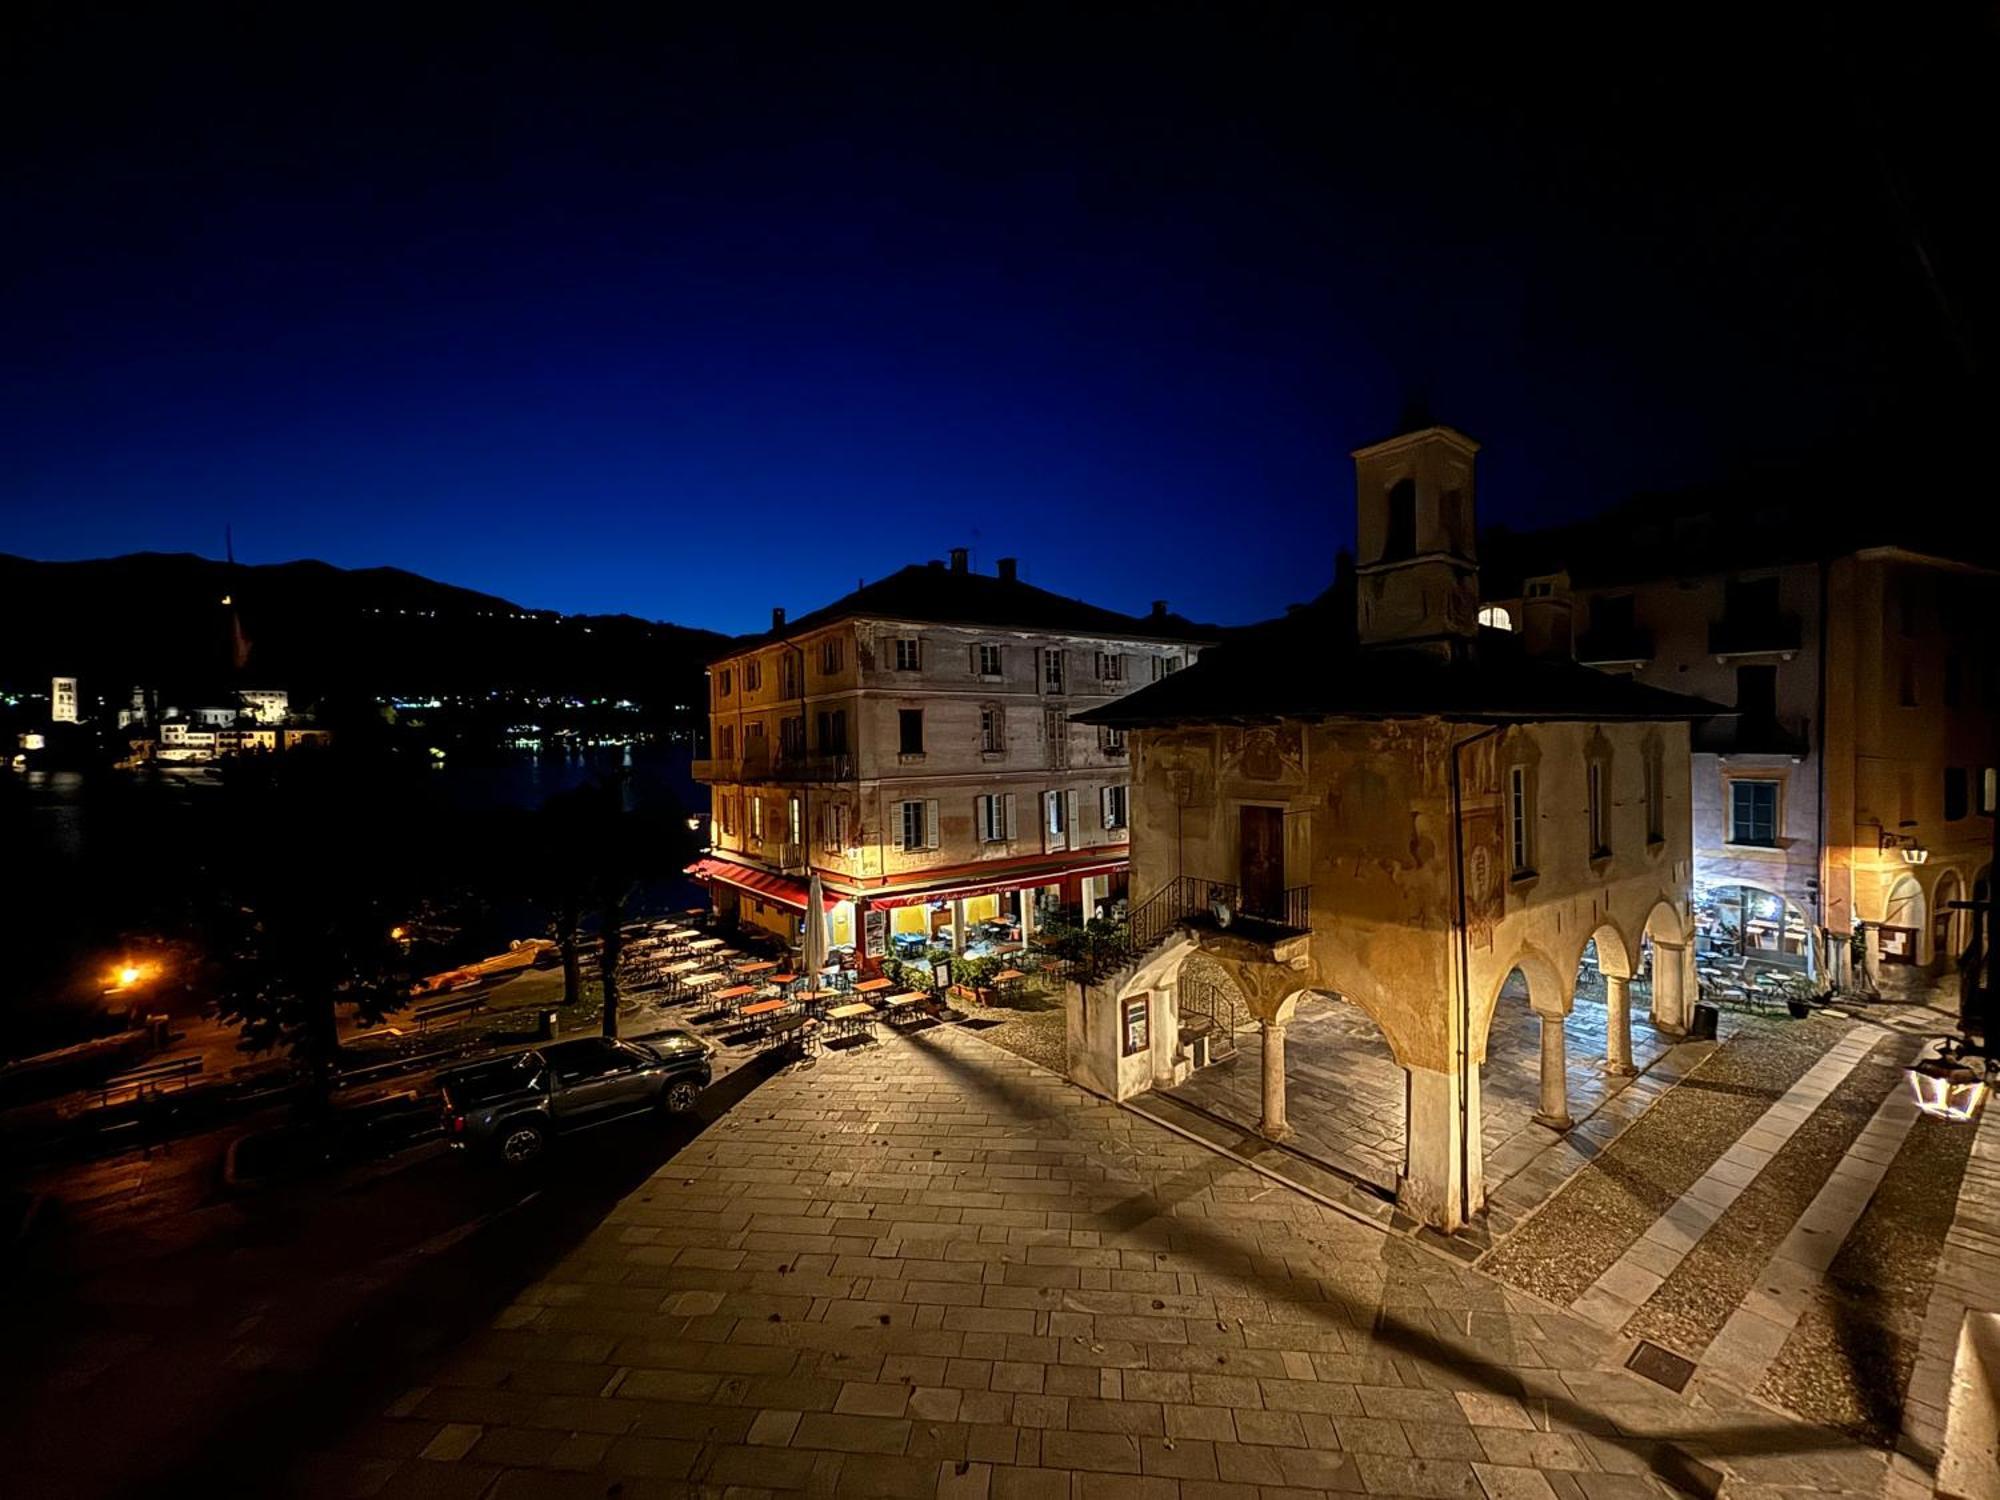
{"x": 446, "y": 1010}
{"x": 153, "y": 1076}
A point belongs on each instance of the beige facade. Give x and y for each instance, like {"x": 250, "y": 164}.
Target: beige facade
{"x": 1863, "y": 740}
{"x": 1406, "y": 818}
{"x": 894, "y": 755}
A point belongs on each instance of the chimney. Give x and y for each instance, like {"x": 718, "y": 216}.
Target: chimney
{"x": 958, "y": 559}
{"x": 1159, "y": 609}
{"x": 1545, "y": 616}
{"x": 778, "y": 618}
{"x": 1008, "y": 568}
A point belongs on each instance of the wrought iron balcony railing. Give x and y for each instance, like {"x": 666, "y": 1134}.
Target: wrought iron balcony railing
{"x": 1754, "y": 635}
{"x": 1603, "y": 648}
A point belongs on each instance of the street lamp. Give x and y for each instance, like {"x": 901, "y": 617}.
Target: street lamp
{"x": 1946, "y": 1084}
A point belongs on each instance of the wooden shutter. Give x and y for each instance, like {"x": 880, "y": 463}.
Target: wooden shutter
{"x": 1074, "y": 831}
{"x": 931, "y": 823}
{"x": 1013, "y": 828}
{"x": 1104, "y": 807}
{"x": 979, "y": 819}
{"x": 974, "y": 664}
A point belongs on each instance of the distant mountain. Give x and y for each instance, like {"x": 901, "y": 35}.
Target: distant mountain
{"x": 191, "y": 626}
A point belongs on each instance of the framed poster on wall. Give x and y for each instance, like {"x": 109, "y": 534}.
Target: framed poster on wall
{"x": 1138, "y": 1026}
{"x": 876, "y": 928}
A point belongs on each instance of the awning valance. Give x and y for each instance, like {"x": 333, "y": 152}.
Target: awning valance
{"x": 781, "y": 890}
{"x": 994, "y": 887}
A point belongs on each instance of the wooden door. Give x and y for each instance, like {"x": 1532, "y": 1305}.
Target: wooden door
{"x": 1263, "y": 861}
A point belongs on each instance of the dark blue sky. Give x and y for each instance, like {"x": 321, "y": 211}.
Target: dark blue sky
{"x": 694, "y": 317}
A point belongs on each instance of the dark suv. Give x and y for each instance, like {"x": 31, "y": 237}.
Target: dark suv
{"x": 513, "y": 1105}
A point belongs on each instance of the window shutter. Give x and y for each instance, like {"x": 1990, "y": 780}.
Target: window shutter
{"x": 1069, "y": 819}
{"x": 1104, "y": 807}
{"x": 931, "y": 823}
{"x": 1128, "y": 673}
{"x": 973, "y": 652}
{"x": 1013, "y": 828}
{"x": 980, "y": 822}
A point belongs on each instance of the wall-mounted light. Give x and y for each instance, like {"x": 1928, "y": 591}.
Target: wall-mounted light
{"x": 1904, "y": 844}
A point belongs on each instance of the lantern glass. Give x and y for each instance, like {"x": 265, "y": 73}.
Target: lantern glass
{"x": 1946, "y": 1088}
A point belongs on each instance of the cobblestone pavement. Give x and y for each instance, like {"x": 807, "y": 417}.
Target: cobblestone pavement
{"x": 930, "y": 1268}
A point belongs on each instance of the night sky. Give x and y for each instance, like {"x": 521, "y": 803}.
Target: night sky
{"x": 693, "y": 315}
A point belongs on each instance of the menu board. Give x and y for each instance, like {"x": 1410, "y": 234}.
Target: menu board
{"x": 876, "y": 928}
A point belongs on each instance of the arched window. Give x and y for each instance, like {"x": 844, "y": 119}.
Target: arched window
{"x": 1400, "y": 540}
{"x": 1495, "y": 617}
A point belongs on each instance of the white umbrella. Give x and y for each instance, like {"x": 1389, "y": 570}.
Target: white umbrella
{"x": 815, "y": 939}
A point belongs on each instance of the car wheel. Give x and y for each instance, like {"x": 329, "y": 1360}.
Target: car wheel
{"x": 681, "y": 1095}
{"x": 522, "y": 1143}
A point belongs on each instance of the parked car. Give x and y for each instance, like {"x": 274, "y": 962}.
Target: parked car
{"x": 514, "y": 1106}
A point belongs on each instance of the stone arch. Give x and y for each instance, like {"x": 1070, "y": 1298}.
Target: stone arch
{"x": 1663, "y": 923}
{"x": 1547, "y": 991}
{"x": 1904, "y": 904}
{"x": 1948, "y": 928}
{"x": 1615, "y": 956}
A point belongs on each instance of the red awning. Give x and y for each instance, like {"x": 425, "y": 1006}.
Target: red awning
{"x": 994, "y": 887}
{"x": 783, "y": 890}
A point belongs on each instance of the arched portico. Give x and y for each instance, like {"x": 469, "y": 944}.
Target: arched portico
{"x": 1665, "y": 933}
{"x": 1607, "y": 959}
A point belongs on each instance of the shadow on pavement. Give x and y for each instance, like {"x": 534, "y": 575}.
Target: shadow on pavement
{"x": 1664, "y": 1457}
{"x": 436, "y": 1294}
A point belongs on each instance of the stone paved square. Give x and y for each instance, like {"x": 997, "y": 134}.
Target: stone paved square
{"x": 931, "y": 1268}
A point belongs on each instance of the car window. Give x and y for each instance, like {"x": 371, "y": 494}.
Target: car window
{"x": 576, "y": 1061}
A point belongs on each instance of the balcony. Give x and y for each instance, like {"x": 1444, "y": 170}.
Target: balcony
{"x": 754, "y": 770}
{"x": 1750, "y": 734}
{"x": 1615, "y": 648}
{"x": 1754, "y": 635}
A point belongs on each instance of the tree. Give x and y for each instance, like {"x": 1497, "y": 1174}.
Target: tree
{"x": 302, "y": 908}
{"x": 599, "y": 846}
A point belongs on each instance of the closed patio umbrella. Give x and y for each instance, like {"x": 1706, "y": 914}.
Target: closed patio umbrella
{"x": 815, "y": 948}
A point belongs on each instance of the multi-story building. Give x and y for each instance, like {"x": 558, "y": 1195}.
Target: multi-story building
{"x": 1375, "y": 799}
{"x": 912, "y": 743}
{"x": 1848, "y": 800}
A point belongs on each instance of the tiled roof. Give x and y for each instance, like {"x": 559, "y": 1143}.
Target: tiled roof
{"x": 935, "y": 594}
{"x": 1308, "y": 666}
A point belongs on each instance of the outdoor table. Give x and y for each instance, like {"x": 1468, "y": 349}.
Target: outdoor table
{"x": 870, "y": 986}
{"x": 1009, "y": 976}
{"x": 854, "y": 1012}
{"x": 815, "y": 997}
{"x": 761, "y": 1008}
{"x": 734, "y": 992}
{"x": 703, "y": 945}
{"x": 761, "y": 966}
{"x": 686, "y": 966}
{"x": 786, "y": 1027}
{"x": 786, "y": 978}
{"x": 703, "y": 980}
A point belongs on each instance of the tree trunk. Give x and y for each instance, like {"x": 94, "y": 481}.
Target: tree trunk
{"x": 567, "y": 920}
{"x": 321, "y": 1042}
{"x": 614, "y": 946}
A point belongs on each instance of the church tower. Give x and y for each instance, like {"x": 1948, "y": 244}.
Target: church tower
{"x": 1416, "y": 563}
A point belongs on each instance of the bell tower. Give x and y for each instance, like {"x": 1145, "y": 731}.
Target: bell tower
{"x": 1416, "y": 563}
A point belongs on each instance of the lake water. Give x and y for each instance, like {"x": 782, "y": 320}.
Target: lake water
{"x": 90, "y": 857}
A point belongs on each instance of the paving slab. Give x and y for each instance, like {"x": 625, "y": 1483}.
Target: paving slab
{"x": 1154, "y": 1317}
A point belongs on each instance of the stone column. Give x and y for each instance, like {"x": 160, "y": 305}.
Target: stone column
{"x": 1618, "y": 1025}
{"x": 1437, "y": 1167}
{"x": 1027, "y": 895}
{"x": 1670, "y": 1011}
{"x": 1166, "y": 1034}
{"x": 958, "y": 927}
{"x": 1871, "y": 954}
{"x": 1274, "y": 1125}
{"x": 1554, "y": 1112}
